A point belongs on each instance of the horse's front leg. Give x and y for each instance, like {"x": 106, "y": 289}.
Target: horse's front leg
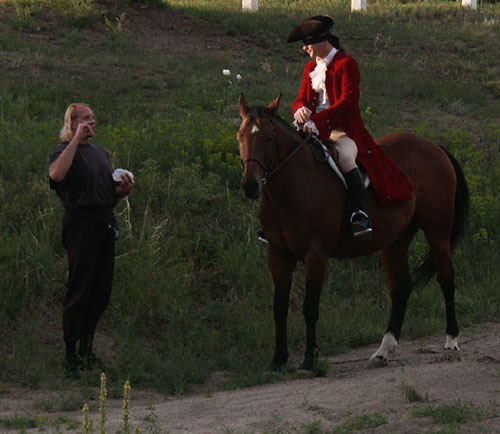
{"x": 315, "y": 273}
{"x": 282, "y": 267}
{"x": 395, "y": 261}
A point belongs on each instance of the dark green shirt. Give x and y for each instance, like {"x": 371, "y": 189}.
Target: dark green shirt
{"x": 89, "y": 182}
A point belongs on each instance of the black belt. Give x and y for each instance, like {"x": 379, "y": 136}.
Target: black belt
{"x": 104, "y": 213}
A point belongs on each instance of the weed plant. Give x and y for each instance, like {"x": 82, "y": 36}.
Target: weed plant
{"x": 411, "y": 394}
{"x": 192, "y": 292}
{"x": 88, "y": 421}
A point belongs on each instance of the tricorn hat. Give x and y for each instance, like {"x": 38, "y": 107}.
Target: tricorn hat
{"x": 312, "y": 30}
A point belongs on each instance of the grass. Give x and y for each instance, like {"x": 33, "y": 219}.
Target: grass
{"x": 457, "y": 412}
{"x": 360, "y": 423}
{"x": 22, "y": 423}
{"x": 193, "y": 294}
{"x": 18, "y": 422}
{"x": 61, "y": 401}
{"x": 411, "y": 394}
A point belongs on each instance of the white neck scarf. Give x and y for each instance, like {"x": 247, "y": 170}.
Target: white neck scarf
{"x": 318, "y": 76}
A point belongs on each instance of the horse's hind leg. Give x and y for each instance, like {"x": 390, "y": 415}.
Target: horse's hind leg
{"x": 441, "y": 254}
{"x": 448, "y": 288}
{"x": 395, "y": 261}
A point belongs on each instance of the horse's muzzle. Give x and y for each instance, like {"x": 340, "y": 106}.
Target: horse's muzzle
{"x": 251, "y": 188}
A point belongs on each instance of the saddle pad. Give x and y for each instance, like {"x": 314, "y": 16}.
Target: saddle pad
{"x": 332, "y": 157}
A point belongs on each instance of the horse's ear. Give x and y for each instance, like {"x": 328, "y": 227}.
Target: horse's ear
{"x": 242, "y": 104}
{"x": 273, "y": 107}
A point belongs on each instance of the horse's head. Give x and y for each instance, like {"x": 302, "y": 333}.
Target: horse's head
{"x": 258, "y": 138}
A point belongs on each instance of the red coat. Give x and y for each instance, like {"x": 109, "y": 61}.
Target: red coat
{"x": 342, "y": 85}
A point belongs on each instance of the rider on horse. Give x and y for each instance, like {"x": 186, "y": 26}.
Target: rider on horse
{"x": 328, "y": 105}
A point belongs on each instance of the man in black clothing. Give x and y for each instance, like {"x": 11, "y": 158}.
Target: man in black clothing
{"x": 82, "y": 176}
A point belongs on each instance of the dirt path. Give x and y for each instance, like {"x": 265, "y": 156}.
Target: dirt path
{"x": 349, "y": 390}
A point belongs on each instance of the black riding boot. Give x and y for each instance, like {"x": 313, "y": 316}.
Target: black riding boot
{"x": 73, "y": 362}
{"x": 359, "y": 220}
{"x": 89, "y": 359}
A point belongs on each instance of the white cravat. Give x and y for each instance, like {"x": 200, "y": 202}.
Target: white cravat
{"x": 318, "y": 76}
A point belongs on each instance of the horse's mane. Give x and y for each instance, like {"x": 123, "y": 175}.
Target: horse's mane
{"x": 286, "y": 125}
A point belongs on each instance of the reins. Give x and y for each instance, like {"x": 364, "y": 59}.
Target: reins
{"x": 297, "y": 149}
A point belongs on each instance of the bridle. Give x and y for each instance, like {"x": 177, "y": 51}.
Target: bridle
{"x": 265, "y": 168}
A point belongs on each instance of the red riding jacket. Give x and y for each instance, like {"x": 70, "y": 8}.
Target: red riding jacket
{"x": 342, "y": 86}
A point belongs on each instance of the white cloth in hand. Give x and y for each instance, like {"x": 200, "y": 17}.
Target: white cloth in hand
{"x": 310, "y": 126}
{"x": 118, "y": 174}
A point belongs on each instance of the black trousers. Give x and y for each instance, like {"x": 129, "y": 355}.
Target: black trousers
{"x": 91, "y": 258}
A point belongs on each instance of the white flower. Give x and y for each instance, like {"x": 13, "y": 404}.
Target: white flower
{"x": 238, "y": 77}
{"x": 226, "y": 71}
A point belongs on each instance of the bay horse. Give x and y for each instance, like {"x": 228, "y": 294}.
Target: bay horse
{"x": 303, "y": 214}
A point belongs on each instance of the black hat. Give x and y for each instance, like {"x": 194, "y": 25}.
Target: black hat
{"x": 312, "y": 30}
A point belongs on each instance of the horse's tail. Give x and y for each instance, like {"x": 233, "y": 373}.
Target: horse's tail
{"x": 462, "y": 199}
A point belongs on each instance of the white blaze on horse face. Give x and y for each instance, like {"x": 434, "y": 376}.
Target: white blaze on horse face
{"x": 249, "y": 125}
{"x": 388, "y": 346}
{"x": 451, "y": 343}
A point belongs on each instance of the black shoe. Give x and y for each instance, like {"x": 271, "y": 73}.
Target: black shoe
{"x": 360, "y": 225}
{"x": 262, "y": 237}
{"x": 91, "y": 362}
{"x": 89, "y": 359}
{"x": 72, "y": 366}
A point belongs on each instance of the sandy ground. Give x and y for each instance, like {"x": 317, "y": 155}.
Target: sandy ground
{"x": 349, "y": 390}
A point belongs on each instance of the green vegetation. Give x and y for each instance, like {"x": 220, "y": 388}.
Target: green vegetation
{"x": 192, "y": 291}
{"x": 21, "y": 423}
{"x": 457, "y": 412}
{"x": 411, "y": 394}
{"x": 361, "y": 422}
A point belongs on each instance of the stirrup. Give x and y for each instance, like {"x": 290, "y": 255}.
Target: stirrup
{"x": 361, "y": 229}
{"x": 262, "y": 237}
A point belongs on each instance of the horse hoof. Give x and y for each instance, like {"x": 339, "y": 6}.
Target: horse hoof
{"x": 306, "y": 367}
{"x": 377, "y": 362}
{"x": 451, "y": 343}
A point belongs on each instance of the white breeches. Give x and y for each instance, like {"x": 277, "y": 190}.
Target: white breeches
{"x": 347, "y": 149}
